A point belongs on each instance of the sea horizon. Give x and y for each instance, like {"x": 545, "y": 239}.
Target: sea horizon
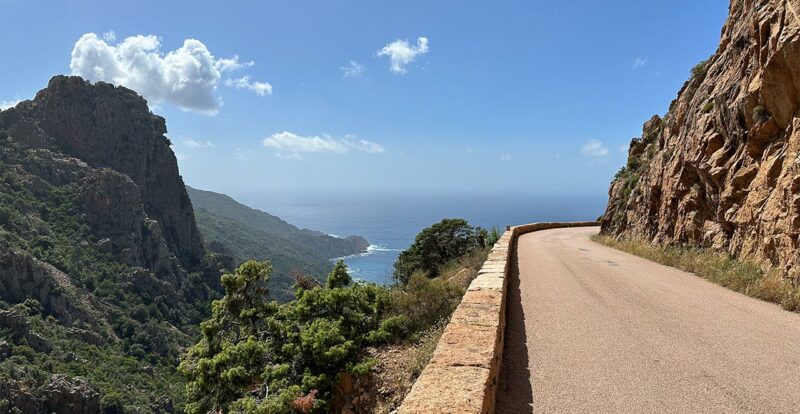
{"x": 390, "y": 222}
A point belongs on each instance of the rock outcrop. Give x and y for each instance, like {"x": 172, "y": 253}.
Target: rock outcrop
{"x": 60, "y": 395}
{"x": 104, "y": 140}
{"x": 721, "y": 169}
{"x": 106, "y": 137}
{"x": 98, "y": 248}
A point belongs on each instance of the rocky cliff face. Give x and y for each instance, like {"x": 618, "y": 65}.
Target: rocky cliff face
{"x": 98, "y": 248}
{"x": 113, "y": 132}
{"x": 721, "y": 169}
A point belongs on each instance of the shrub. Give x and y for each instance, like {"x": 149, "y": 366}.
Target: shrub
{"x": 436, "y": 246}
{"x": 423, "y": 301}
{"x": 338, "y": 277}
{"x": 700, "y": 70}
{"x": 251, "y": 344}
{"x": 5, "y": 217}
{"x": 761, "y": 115}
{"x": 708, "y": 107}
{"x": 112, "y": 403}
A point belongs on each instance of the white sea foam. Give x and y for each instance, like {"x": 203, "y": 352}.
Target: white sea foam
{"x": 378, "y": 248}
{"x": 371, "y": 249}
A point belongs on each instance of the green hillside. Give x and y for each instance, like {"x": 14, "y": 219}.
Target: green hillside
{"x": 253, "y": 234}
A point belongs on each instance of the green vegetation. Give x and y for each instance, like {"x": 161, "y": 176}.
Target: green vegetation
{"x": 252, "y": 234}
{"x": 761, "y": 115}
{"x": 139, "y": 333}
{"x": 254, "y": 353}
{"x": 136, "y": 384}
{"x": 700, "y": 70}
{"x": 438, "y": 245}
{"x": 259, "y": 356}
{"x": 708, "y": 107}
{"x": 741, "y": 276}
{"x": 637, "y": 164}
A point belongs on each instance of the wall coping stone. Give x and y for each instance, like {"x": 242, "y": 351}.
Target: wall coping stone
{"x": 463, "y": 374}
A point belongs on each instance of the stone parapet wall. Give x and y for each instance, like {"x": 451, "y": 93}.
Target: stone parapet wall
{"x": 462, "y": 376}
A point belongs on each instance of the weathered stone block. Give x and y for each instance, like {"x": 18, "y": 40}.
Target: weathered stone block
{"x": 450, "y": 390}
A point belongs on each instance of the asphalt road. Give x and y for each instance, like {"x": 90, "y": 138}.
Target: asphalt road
{"x": 593, "y": 330}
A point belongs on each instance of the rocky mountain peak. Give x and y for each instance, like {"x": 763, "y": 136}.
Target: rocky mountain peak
{"x": 111, "y": 127}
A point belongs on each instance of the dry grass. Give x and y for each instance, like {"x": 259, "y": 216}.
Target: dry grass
{"x": 397, "y": 367}
{"x": 429, "y": 303}
{"x": 739, "y": 275}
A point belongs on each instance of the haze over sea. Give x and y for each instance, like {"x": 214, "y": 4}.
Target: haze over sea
{"x": 390, "y": 222}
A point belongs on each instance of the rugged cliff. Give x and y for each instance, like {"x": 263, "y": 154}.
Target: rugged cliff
{"x": 721, "y": 168}
{"x": 103, "y": 272}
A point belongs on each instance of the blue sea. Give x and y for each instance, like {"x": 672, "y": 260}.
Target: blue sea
{"x": 390, "y": 222}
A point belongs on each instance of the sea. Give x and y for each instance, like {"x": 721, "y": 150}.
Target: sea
{"x": 391, "y": 222}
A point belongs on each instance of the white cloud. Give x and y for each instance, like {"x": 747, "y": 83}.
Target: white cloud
{"x": 401, "y": 53}
{"x": 354, "y": 142}
{"x": 180, "y": 156}
{"x": 624, "y": 148}
{"x": 293, "y": 156}
{"x": 230, "y": 64}
{"x": 9, "y": 104}
{"x": 470, "y": 150}
{"x": 287, "y": 141}
{"x": 260, "y": 88}
{"x": 639, "y": 62}
{"x": 290, "y": 145}
{"x": 190, "y": 143}
{"x": 558, "y": 155}
{"x": 109, "y": 36}
{"x": 352, "y": 70}
{"x": 186, "y": 77}
{"x": 594, "y": 149}
{"x": 505, "y": 157}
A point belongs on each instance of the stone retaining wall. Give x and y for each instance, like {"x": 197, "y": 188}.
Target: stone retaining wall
{"x": 462, "y": 376}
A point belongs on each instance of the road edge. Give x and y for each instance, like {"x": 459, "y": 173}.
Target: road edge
{"x": 463, "y": 374}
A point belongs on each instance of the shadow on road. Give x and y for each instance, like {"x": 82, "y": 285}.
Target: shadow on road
{"x": 514, "y": 394}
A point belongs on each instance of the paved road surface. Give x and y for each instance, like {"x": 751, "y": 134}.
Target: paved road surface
{"x": 594, "y": 330}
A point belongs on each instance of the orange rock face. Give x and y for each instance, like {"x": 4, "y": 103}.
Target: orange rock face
{"x": 721, "y": 169}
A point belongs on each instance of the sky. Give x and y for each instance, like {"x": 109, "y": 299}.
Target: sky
{"x": 377, "y": 97}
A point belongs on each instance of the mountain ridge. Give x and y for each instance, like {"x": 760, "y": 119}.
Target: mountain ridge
{"x": 250, "y": 233}
{"x": 103, "y": 272}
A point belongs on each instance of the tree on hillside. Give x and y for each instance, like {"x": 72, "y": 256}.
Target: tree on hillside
{"x": 436, "y": 246}
{"x": 338, "y": 277}
{"x": 258, "y": 356}
{"x": 232, "y": 354}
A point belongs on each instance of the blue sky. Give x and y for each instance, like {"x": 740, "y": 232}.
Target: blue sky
{"x": 524, "y": 96}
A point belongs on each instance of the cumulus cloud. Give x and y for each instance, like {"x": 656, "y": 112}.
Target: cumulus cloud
{"x": 291, "y": 145}
{"x": 9, "y": 104}
{"x": 190, "y": 143}
{"x": 639, "y": 62}
{"x": 401, "y": 53}
{"x": 352, "y": 70}
{"x": 594, "y": 149}
{"x": 186, "y": 77}
{"x": 260, "y": 88}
